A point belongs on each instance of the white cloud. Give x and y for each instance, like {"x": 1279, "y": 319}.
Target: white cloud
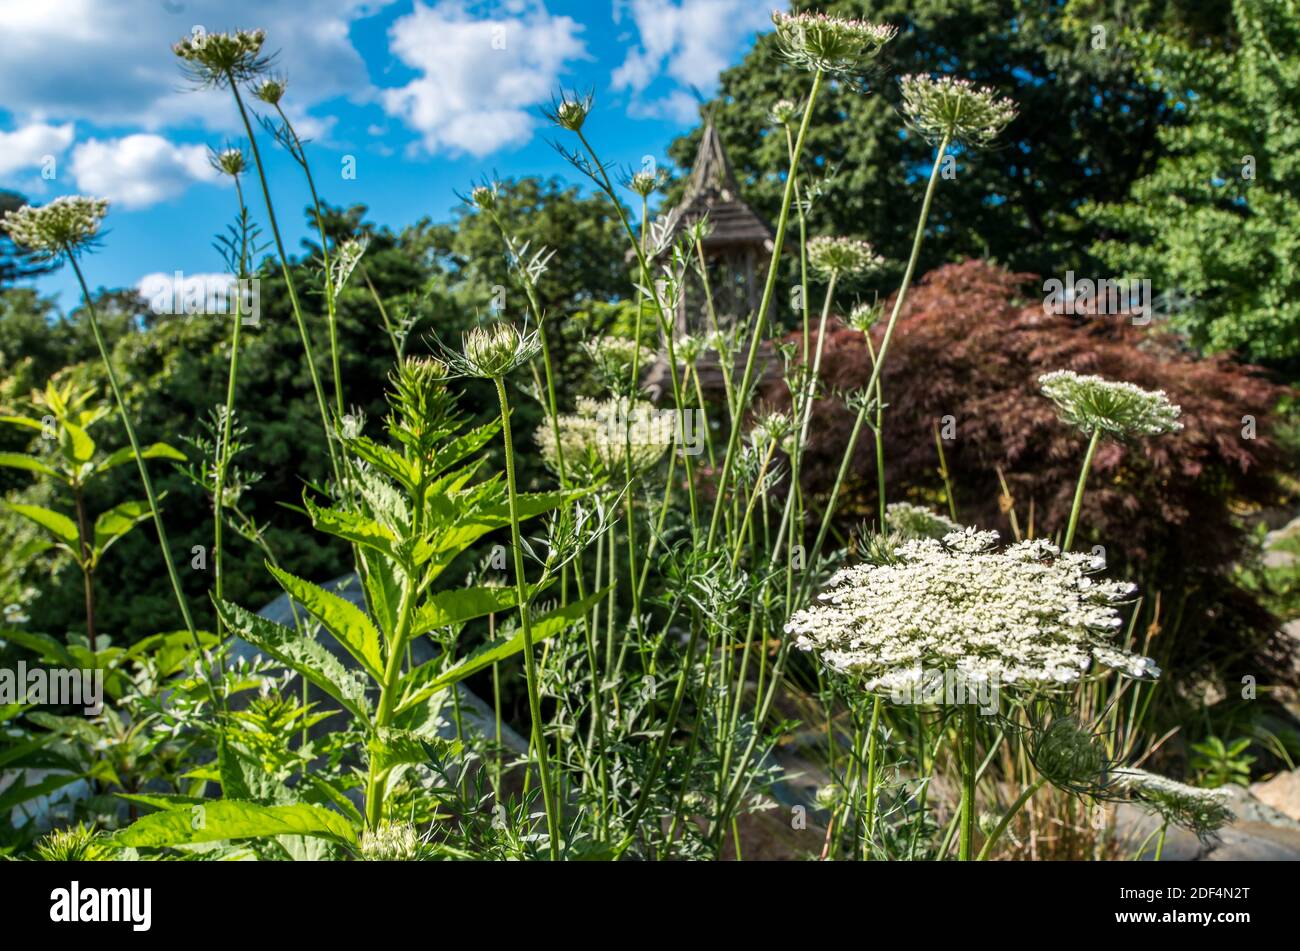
{"x": 479, "y": 75}
{"x": 110, "y": 61}
{"x": 687, "y": 41}
{"x": 25, "y": 148}
{"x": 139, "y": 170}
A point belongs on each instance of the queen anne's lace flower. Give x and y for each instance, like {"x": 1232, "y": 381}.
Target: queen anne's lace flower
{"x": 1118, "y": 409}
{"x": 614, "y": 358}
{"x": 596, "y": 439}
{"x": 66, "y": 224}
{"x": 955, "y": 109}
{"x": 814, "y": 41}
{"x": 213, "y": 59}
{"x": 842, "y": 256}
{"x": 1201, "y": 811}
{"x": 229, "y": 161}
{"x": 915, "y": 521}
{"x": 865, "y": 316}
{"x": 1028, "y": 614}
{"x": 783, "y": 112}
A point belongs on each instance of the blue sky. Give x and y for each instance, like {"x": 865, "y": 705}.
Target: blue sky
{"x": 425, "y": 96}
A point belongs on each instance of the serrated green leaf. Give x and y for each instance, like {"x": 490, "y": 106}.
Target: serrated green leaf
{"x": 344, "y": 620}
{"x": 304, "y": 655}
{"x": 231, "y": 819}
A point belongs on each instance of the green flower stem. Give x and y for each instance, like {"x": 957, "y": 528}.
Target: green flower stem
{"x": 144, "y": 477}
{"x": 227, "y": 425}
{"x": 377, "y": 778}
{"x": 966, "y": 741}
{"x": 872, "y": 734}
{"x": 331, "y": 305}
{"x": 1078, "y": 489}
{"x": 804, "y": 416}
{"x": 526, "y": 627}
{"x": 880, "y": 359}
{"x": 288, "y": 280}
{"x": 760, "y": 323}
{"x": 1008, "y": 816}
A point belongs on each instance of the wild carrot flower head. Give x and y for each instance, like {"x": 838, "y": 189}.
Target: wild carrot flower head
{"x": 644, "y": 183}
{"x": 597, "y": 438}
{"x": 688, "y": 348}
{"x": 66, "y": 225}
{"x": 1202, "y": 811}
{"x": 910, "y": 521}
{"x": 271, "y": 89}
{"x": 770, "y": 427}
{"x": 215, "y": 59}
{"x": 843, "y": 257}
{"x": 1068, "y": 755}
{"x": 1120, "y": 410}
{"x": 484, "y": 197}
{"x": 229, "y": 161}
{"x": 614, "y": 358}
{"x": 784, "y": 112}
{"x": 493, "y": 351}
{"x": 570, "y": 111}
{"x": 834, "y": 45}
{"x": 1029, "y": 614}
{"x": 955, "y": 109}
{"x": 865, "y": 316}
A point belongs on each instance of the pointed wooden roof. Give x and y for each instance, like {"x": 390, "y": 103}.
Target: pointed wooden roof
{"x": 712, "y": 190}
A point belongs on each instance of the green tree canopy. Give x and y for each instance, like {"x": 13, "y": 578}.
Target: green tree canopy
{"x": 1214, "y": 223}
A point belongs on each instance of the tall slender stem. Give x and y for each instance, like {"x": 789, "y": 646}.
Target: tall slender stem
{"x": 525, "y": 625}
{"x": 144, "y": 477}
{"x": 1078, "y": 489}
{"x": 288, "y": 280}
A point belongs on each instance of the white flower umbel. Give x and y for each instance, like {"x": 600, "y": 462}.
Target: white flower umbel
{"x": 214, "y": 59}
{"x": 1202, "y": 811}
{"x": 914, "y": 521}
{"x": 843, "y": 257}
{"x": 955, "y": 109}
{"x": 68, "y": 224}
{"x": 615, "y": 357}
{"x": 391, "y": 842}
{"x": 834, "y": 45}
{"x": 596, "y": 439}
{"x": 1028, "y": 614}
{"x": 1119, "y": 410}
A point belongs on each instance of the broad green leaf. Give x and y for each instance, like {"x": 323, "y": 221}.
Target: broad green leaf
{"x": 385, "y": 459}
{"x": 355, "y": 528}
{"x": 18, "y": 794}
{"x": 455, "y": 607}
{"x": 454, "y": 450}
{"x": 60, "y": 526}
{"x": 309, "y": 658}
{"x": 25, "y": 422}
{"x": 394, "y": 747}
{"x": 76, "y": 443}
{"x": 231, "y": 819}
{"x": 384, "y": 590}
{"x": 159, "y": 450}
{"x": 117, "y": 521}
{"x": 11, "y": 755}
{"x": 49, "y": 649}
{"x": 464, "y": 531}
{"x": 343, "y": 619}
{"x": 16, "y": 460}
{"x": 493, "y": 652}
